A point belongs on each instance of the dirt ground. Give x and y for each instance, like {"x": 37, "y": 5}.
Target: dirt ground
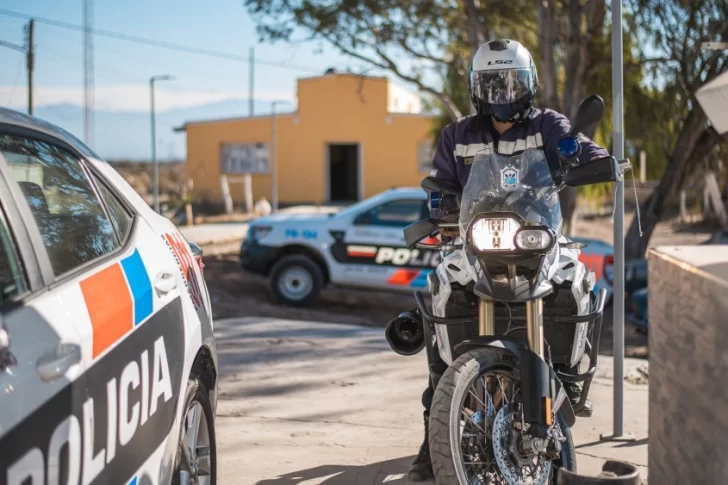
{"x": 237, "y": 293}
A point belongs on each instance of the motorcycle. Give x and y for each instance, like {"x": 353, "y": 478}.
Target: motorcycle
{"x": 513, "y": 313}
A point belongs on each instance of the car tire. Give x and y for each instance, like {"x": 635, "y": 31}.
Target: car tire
{"x": 296, "y": 280}
{"x": 198, "y": 415}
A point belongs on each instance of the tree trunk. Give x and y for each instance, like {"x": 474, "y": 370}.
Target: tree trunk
{"x": 547, "y": 29}
{"x": 476, "y": 29}
{"x": 693, "y": 144}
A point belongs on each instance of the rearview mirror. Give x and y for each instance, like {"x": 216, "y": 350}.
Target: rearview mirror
{"x": 592, "y": 172}
{"x": 590, "y": 112}
{"x": 418, "y": 231}
{"x": 432, "y": 184}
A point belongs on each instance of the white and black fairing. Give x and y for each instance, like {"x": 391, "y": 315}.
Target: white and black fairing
{"x": 518, "y": 188}
{"x": 513, "y": 194}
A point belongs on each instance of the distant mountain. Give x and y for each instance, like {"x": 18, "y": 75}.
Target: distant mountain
{"x": 126, "y": 135}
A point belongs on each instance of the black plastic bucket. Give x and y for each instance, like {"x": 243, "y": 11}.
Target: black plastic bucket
{"x": 613, "y": 473}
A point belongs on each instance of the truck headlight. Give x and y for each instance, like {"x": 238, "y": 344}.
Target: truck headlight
{"x": 533, "y": 239}
{"x": 494, "y": 234}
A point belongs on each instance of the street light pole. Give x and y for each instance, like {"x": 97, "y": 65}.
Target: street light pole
{"x": 155, "y": 164}
{"x": 618, "y": 433}
{"x": 273, "y": 161}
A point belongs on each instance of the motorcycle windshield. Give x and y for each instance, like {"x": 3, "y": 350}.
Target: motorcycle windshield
{"x": 520, "y": 184}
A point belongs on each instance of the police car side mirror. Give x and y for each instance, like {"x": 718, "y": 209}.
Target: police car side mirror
{"x": 417, "y": 231}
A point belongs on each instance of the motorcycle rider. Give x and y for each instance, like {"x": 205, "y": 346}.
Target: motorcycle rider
{"x": 502, "y": 85}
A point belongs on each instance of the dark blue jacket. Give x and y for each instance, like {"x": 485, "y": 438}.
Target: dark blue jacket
{"x": 462, "y": 139}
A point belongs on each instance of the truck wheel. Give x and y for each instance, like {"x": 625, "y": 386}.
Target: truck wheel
{"x": 296, "y": 280}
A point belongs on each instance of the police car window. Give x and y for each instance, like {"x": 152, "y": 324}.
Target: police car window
{"x": 69, "y": 215}
{"x": 398, "y": 212}
{"x": 120, "y": 217}
{"x": 12, "y": 279}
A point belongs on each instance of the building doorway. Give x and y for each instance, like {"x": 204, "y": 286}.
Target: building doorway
{"x": 343, "y": 173}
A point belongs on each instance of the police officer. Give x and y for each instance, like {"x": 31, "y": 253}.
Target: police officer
{"x": 502, "y": 84}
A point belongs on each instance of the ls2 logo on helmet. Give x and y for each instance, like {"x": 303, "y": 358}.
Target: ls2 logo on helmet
{"x": 500, "y": 61}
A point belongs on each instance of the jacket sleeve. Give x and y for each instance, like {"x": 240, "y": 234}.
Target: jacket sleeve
{"x": 443, "y": 162}
{"x": 443, "y": 168}
{"x": 555, "y": 127}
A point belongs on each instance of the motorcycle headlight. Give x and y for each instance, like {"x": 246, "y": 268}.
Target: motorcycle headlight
{"x": 494, "y": 234}
{"x": 533, "y": 239}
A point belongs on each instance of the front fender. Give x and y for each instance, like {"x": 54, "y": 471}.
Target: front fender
{"x": 538, "y": 378}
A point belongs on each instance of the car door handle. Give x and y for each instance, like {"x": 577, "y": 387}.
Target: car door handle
{"x": 56, "y": 361}
{"x": 164, "y": 283}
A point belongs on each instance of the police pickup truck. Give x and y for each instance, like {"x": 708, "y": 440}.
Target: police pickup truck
{"x": 361, "y": 246}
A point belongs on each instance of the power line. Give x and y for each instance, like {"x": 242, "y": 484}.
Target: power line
{"x": 155, "y": 43}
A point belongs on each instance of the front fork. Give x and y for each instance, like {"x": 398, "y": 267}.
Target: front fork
{"x": 535, "y": 372}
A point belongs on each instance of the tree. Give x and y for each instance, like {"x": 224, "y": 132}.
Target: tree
{"x": 385, "y": 34}
{"x": 677, "y": 30}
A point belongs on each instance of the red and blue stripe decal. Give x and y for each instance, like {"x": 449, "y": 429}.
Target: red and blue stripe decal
{"x": 118, "y": 298}
{"x": 414, "y": 278}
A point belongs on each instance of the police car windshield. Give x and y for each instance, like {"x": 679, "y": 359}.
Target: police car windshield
{"x": 521, "y": 184}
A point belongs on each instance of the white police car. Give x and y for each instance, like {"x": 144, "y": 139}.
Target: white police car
{"x": 362, "y": 246}
{"x": 108, "y": 366}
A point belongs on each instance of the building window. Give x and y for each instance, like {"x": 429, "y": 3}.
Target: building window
{"x": 425, "y": 152}
{"x": 244, "y": 158}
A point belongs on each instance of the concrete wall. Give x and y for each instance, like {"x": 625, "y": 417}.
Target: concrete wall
{"x": 688, "y": 340}
{"x": 337, "y": 108}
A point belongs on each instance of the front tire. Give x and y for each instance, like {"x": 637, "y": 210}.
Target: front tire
{"x": 196, "y": 459}
{"x": 445, "y": 414}
{"x": 296, "y": 280}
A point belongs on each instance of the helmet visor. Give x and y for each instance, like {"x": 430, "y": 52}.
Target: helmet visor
{"x": 501, "y": 87}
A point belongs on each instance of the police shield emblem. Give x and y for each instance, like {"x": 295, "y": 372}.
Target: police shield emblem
{"x": 510, "y": 178}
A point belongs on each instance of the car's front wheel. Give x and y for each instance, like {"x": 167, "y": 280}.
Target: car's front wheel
{"x": 296, "y": 280}
{"x": 196, "y": 459}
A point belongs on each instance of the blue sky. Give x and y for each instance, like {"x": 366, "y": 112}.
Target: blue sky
{"x": 122, "y": 69}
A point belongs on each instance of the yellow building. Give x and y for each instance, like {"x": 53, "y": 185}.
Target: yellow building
{"x": 350, "y": 138}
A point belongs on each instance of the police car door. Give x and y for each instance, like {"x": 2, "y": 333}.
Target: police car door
{"x": 376, "y": 250}
{"x": 106, "y": 383}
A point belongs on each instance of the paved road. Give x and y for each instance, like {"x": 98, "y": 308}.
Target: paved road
{"x": 330, "y": 404}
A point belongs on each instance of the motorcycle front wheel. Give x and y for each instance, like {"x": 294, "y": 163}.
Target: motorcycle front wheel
{"x": 475, "y": 426}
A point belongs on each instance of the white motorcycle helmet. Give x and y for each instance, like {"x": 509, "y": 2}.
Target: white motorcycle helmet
{"x": 503, "y": 80}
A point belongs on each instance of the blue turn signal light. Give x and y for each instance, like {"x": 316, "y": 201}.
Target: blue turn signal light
{"x": 569, "y": 147}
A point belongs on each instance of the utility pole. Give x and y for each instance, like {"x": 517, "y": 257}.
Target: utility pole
{"x": 29, "y": 50}
{"x": 30, "y": 62}
{"x": 251, "y": 82}
{"x": 88, "y": 72}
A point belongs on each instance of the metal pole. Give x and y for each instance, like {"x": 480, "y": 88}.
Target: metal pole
{"x": 274, "y": 162}
{"x": 30, "y": 62}
{"x": 618, "y": 152}
{"x": 155, "y": 166}
{"x": 251, "y": 83}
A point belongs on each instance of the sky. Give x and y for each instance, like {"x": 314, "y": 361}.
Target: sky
{"x": 122, "y": 69}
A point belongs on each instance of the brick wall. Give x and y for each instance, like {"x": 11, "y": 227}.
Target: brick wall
{"x": 688, "y": 341}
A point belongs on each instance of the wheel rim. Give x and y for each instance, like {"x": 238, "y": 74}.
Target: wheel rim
{"x": 195, "y": 451}
{"x": 482, "y": 434}
{"x": 295, "y": 283}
